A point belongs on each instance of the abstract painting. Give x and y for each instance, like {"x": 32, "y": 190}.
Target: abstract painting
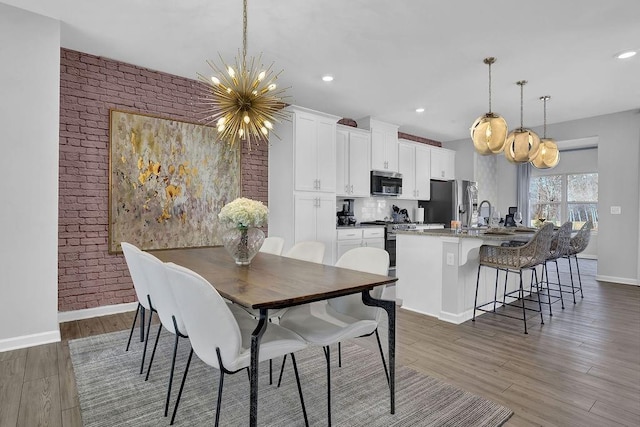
{"x": 168, "y": 180}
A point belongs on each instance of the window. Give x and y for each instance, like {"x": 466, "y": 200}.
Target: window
{"x": 567, "y": 197}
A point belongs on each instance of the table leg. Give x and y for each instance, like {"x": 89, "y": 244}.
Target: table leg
{"x": 256, "y": 335}
{"x": 390, "y": 308}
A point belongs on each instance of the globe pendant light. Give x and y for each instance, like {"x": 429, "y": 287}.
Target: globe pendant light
{"x": 243, "y": 102}
{"x": 522, "y": 144}
{"x": 489, "y": 131}
{"x": 548, "y": 156}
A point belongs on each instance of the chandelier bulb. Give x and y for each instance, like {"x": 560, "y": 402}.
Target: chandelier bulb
{"x": 231, "y": 71}
{"x": 220, "y": 128}
{"x": 215, "y": 80}
{"x": 246, "y": 118}
{"x": 264, "y": 130}
{"x": 268, "y": 124}
{"x": 221, "y": 121}
{"x": 272, "y": 86}
{"x": 261, "y": 75}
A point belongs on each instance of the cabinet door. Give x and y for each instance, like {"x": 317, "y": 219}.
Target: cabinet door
{"x": 342, "y": 163}
{"x": 378, "y": 156}
{"x": 305, "y": 212}
{"x": 359, "y": 168}
{"x": 449, "y": 164}
{"x": 423, "y": 173}
{"x": 437, "y": 164}
{"x": 406, "y": 166}
{"x": 326, "y": 155}
{"x": 345, "y": 246}
{"x": 391, "y": 150}
{"x": 374, "y": 243}
{"x": 305, "y": 162}
{"x": 326, "y": 226}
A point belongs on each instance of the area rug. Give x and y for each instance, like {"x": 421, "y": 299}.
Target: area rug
{"x": 112, "y": 393}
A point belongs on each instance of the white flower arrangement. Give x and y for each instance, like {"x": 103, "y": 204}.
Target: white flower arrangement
{"x": 244, "y": 213}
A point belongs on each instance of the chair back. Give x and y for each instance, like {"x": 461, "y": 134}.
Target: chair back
{"x": 272, "y": 245}
{"x": 208, "y": 321}
{"x": 307, "y": 251}
{"x": 368, "y": 260}
{"x": 541, "y": 244}
{"x": 131, "y": 256}
{"x": 160, "y": 291}
{"x": 561, "y": 241}
{"x": 580, "y": 241}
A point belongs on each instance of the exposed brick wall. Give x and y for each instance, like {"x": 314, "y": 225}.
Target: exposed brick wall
{"x": 88, "y": 276}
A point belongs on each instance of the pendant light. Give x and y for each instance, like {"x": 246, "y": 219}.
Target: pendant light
{"x": 549, "y": 155}
{"x": 489, "y": 131}
{"x": 522, "y": 144}
{"x": 243, "y": 102}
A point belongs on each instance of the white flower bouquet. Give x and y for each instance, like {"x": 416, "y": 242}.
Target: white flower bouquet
{"x": 244, "y": 213}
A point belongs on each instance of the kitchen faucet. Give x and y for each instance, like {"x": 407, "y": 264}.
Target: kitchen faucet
{"x": 480, "y": 210}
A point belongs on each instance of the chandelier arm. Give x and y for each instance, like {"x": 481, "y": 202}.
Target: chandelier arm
{"x": 244, "y": 34}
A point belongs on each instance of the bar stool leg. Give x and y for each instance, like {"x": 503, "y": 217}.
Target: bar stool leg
{"x": 579, "y": 278}
{"x": 535, "y": 273}
{"x": 475, "y": 300}
{"x": 524, "y": 313}
{"x": 495, "y": 290}
{"x": 559, "y": 284}
{"x": 573, "y": 291}
{"x": 545, "y": 270}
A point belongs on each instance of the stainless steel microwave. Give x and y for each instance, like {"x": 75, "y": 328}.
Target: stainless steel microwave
{"x": 385, "y": 183}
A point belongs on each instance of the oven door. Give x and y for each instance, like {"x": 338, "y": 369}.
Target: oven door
{"x": 390, "y": 246}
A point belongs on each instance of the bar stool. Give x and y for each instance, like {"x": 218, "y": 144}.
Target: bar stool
{"x": 515, "y": 260}
{"x": 578, "y": 244}
{"x": 559, "y": 248}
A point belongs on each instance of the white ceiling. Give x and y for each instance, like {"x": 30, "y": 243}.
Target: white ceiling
{"x": 388, "y": 57}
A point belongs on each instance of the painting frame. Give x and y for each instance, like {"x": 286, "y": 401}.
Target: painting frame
{"x": 168, "y": 179}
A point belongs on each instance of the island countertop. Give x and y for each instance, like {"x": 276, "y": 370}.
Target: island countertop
{"x": 477, "y": 233}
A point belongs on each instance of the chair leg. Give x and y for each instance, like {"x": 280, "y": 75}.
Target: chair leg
{"x": 153, "y": 353}
{"x": 270, "y": 371}
{"x": 146, "y": 341}
{"x": 220, "y": 385}
{"x": 339, "y": 354}
{"x": 142, "y": 313}
{"x": 506, "y": 280}
{"x": 475, "y": 300}
{"x": 573, "y": 290}
{"x": 495, "y": 291}
{"x": 133, "y": 325}
{"x": 559, "y": 284}
{"x": 304, "y": 409}
{"x": 524, "y": 313}
{"x": 173, "y": 365}
{"x": 327, "y": 355}
{"x": 545, "y": 270}
{"x": 284, "y": 359}
{"x": 579, "y": 278}
{"x": 384, "y": 363}
{"x": 184, "y": 378}
{"x": 535, "y": 273}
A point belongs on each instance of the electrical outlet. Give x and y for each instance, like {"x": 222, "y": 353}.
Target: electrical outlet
{"x": 616, "y": 210}
{"x": 450, "y": 258}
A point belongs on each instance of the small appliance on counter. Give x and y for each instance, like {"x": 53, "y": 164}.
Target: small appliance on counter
{"x": 345, "y": 216}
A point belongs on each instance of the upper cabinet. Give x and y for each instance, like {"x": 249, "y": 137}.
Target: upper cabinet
{"x": 314, "y": 152}
{"x": 352, "y": 162}
{"x": 443, "y": 164}
{"x": 384, "y": 144}
{"x": 414, "y": 163}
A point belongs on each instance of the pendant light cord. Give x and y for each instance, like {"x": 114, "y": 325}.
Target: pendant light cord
{"x": 545, "y": 118}
{"x": 244, "y": 35}
{"x": 489, "y": 87}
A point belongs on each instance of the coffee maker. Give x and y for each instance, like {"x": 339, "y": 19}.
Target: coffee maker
{"x": 345, "y": 216}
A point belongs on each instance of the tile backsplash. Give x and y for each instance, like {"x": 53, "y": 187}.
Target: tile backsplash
{"x": 378, "y": 208}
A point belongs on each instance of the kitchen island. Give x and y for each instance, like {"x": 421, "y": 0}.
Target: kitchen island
{"x": 437, "y": 271}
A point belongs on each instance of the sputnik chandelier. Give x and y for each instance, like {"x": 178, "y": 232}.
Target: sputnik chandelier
{"x": 548, "y": 154}
{"x": 243, "y": 102}
{"x": 489, "y": 131}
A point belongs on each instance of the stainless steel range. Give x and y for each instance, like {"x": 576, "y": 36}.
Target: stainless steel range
{"x": 390, "y": 238}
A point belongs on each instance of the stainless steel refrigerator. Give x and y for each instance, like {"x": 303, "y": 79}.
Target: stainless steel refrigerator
{"x": 450, "y": 200}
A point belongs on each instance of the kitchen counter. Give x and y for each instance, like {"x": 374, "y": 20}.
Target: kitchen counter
{"x": 437, "y": 271}
{"x": 339, "y": 227}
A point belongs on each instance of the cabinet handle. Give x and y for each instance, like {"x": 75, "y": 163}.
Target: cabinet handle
{"x": 319, "y": 185}
{"x": 352, "y": 189}
{"x": 417, "y": 193}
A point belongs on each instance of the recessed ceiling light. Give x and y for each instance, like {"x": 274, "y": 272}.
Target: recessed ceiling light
{"x": 327, "y": 78}
{"x": 626, "y": 54}
{"x": 420, "y": 110}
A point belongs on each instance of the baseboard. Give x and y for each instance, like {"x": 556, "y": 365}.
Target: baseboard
{"x": 29, "y": 340}
{"x": 621, "y": 280}
{"x": 87, "y": 313}
{"x": 455, "y": 318}
{"x": 587, "y": 256}
{"x": 419, "y": 312}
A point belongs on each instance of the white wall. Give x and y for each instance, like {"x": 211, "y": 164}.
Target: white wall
{"x": 29, "y": 119}
{"x": 618, "y": 185}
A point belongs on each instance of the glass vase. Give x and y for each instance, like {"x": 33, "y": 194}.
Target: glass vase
{"x": 243, "y": 243}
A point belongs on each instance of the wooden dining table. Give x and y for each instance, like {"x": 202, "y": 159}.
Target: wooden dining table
{"x": 273, "y": 282}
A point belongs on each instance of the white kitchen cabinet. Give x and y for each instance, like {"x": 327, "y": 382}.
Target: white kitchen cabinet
{"x": 384, "y": 144}
{"x": 352, "y": 162}
{"x": 350, "y": 238}
{"x": 315, "y": 153}
{"x": 443, "y": 164}
{"x": 306, "y": 143}
{"x": 315, "y": 220}
{"x": 414, "y": 163}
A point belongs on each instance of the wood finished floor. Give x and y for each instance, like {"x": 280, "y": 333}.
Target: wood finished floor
{"x": 581, "y": 368}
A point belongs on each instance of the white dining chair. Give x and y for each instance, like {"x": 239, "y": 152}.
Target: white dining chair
{"x": 346, "y": 317}
{"x": 220, "y": 338}
{"x": 307, "y": 251}
{"x": 272, "y": 245}
{"x": 140, "y": 285}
